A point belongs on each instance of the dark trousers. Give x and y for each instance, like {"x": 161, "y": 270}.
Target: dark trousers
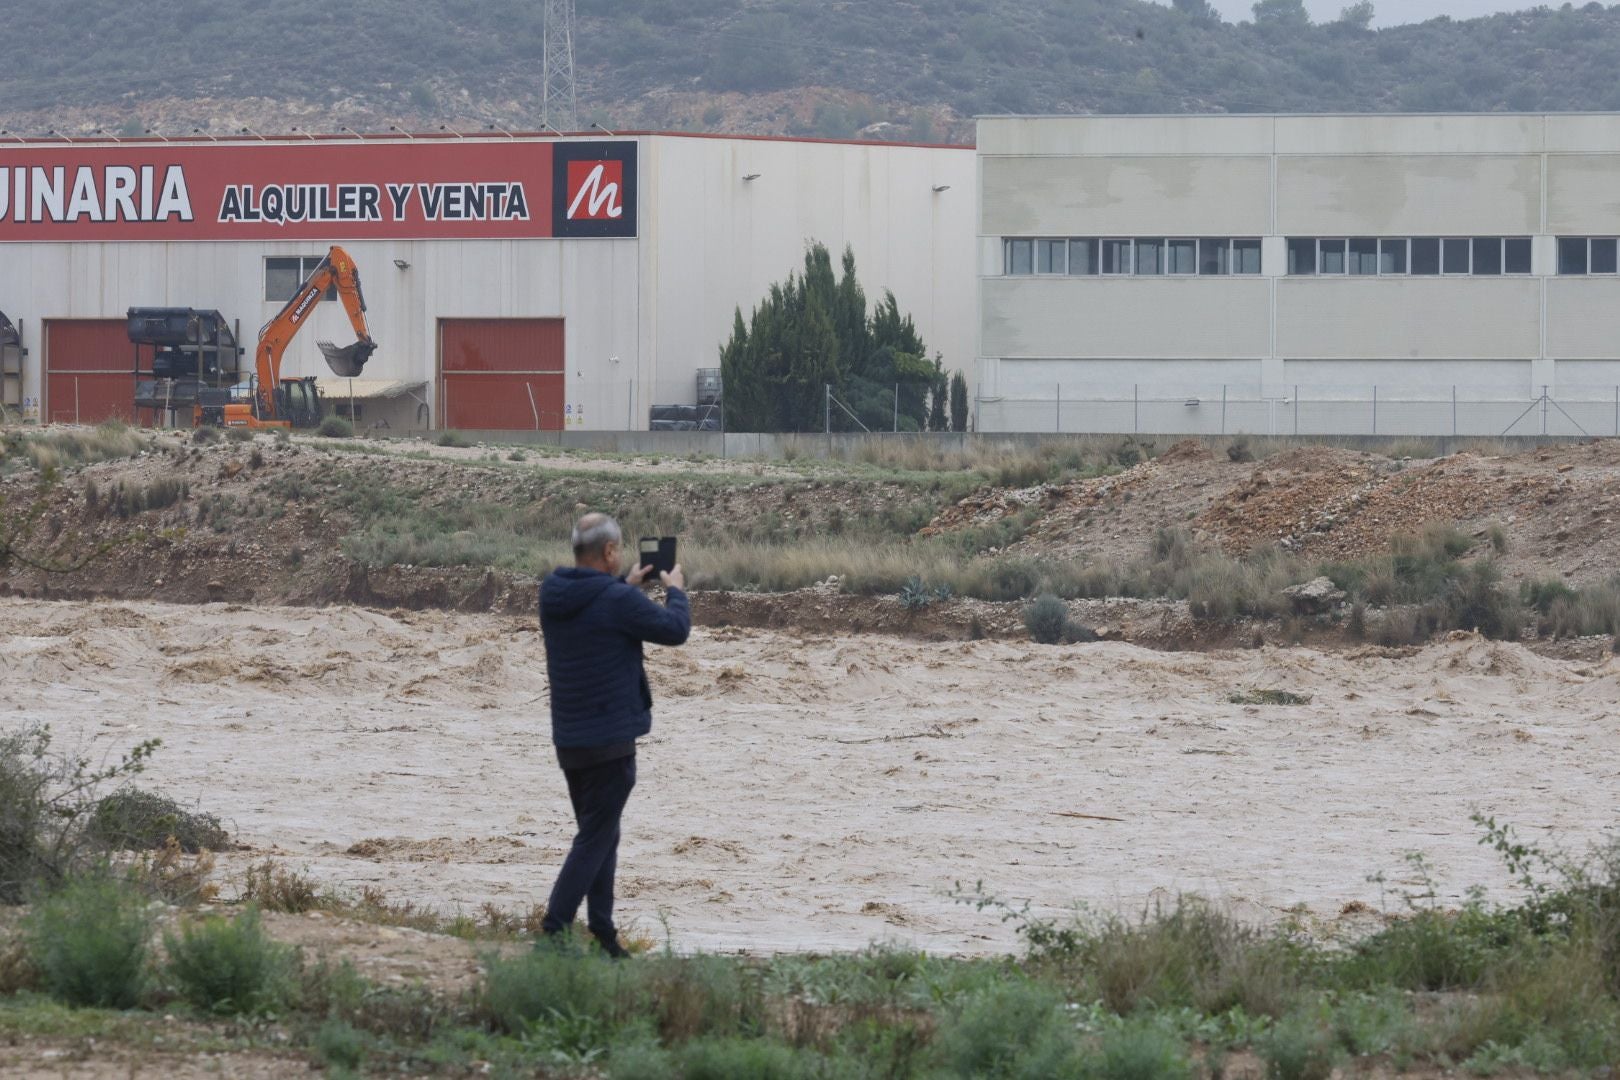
{"x": 598, "y": 794}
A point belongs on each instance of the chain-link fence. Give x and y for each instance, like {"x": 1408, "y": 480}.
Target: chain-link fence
{"x": 1150, "y": 409}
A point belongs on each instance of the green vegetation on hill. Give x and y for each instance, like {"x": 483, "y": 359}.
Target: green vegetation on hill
{"x": 905, "y": 63}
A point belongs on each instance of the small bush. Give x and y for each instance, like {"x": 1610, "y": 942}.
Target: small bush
{"x": 335, "y": 427}
{"x": 1141, "y": 1052}
{"x": 747, "y": 1059}
{"x": 1238, "y": 450}
{"x": 1498, "y": 538}
{"x": 1300, "y": 1047}
{"x": 228, "y": 966}
{"x": 915, "y": 595}
{"x": 699, "y": 996}
{"x": 1268, "y": 697}
{"x": 256, "y": 459}
{"x": 452, "y": 438}
{"x": 135, "y": 820}
{"x": 556, "y": 981}
{"x": 239, "y": 435}
{"x": 1011, "y": 1029}
{"x": 205, "y": 435}
{"x": 275, "y": 888}
{"x": 339, "y": 1044}
{"x": 1047, "y": 620}
{"x": 1356, "y": 624}
{"x": 89, "y": 943}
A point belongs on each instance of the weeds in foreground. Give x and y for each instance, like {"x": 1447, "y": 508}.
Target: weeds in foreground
{"x": 273, "y": 887}
{"x": 335, "y": 427}
{"x": 88, "y": 942}
{"x": 229, "y": 966}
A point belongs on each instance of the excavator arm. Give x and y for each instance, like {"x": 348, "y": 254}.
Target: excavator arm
{"x": 338, "y": 270}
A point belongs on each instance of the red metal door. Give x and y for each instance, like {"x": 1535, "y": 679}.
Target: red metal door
{"x": 501, "y": 374}
{"x": 89, "y": 371}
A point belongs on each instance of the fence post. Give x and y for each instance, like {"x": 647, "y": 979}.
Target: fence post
{"x": 1617, "y": 411}
{"x": 1454, "y": 410}
{"x": 1296, "y": 410}
{"x": 897, "y": 408}
{"x": 1544, "y": 389}
{"x": 1136, "y": 408}
{"x": 1375, "y": 409}
{"x": 826, "y": 403}
{"x": 1223, "y": 408}
{"x": 75, "y": 399}
{"x": 1060, "y": 408}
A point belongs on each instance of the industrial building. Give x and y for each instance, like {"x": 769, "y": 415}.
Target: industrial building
{"x": 1373, "y": 274}
{"x": 513, "y": 282}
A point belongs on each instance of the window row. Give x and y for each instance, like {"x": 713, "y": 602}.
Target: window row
{"x": 1587, "y": 255}
{"x": 1148, "y": 257}
{"x": 1485, "y": 256}
{"x": 282, "y": 276}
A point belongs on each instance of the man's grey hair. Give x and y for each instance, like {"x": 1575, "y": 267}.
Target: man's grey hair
{"x": 593, "y": 533}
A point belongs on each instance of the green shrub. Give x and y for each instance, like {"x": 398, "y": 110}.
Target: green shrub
{"x": 1431, "y": 950}
{"x": 452, "y": 438}
{"x": 1140, "y": 1051}
{"x": 1238, "y": 450}
{"x": 1047, "y": 620}
{"x": 1299, "y": 1047}
{"x": 238, "y": 435}
{"x": 335, "y": 427}
{"x": 556, "y": 981}
{"x": 1013, "y": 1029}
{"x": 748, "y": 1059}
{"x": 340, "y": 1045}
{"x": 135, "y": 820}
{"x": 1372, "y": 1024}
{"x": 229, "y": 966}
{"x": 89, "y": 943}
{"x": 275, "y": 888}
{"x": 693, "y": 996}
{"x": 205, "y": 435}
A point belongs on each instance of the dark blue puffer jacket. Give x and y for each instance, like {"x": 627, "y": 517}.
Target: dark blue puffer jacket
{"x": 594, "y": 625}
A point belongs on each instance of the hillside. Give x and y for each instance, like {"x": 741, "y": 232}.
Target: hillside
{"x": 766, "y": 66}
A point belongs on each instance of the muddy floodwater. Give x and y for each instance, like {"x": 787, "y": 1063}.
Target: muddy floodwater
{"x": 827, "y": 792}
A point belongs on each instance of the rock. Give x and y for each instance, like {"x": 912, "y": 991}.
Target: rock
{"x": 1315, "y": 597}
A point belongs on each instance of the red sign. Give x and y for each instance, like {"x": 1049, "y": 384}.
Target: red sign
{"x": 595, "y": 190}
{"x": 323, "y": 191}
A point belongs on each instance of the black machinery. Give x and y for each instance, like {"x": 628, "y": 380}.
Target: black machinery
{"x": 186, "y": 362}
{"x": 11, "y": 367}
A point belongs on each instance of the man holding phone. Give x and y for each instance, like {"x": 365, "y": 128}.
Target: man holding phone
{"x": 595, "y": 623}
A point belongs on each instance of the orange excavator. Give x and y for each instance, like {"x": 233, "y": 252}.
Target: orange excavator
{"x": 279, "y": 403}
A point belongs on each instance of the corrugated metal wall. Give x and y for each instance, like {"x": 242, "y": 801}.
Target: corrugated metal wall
{"x": 89, "y": 371}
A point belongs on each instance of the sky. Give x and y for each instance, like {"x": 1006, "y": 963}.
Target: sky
{"x": 1390, "y": 12}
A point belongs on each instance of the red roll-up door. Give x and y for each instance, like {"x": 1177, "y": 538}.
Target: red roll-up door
{"x": 501, "y": 374}
{"x": 89, "y": 371}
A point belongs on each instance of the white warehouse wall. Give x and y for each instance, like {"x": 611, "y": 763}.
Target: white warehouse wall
{"x": 1262, "y": 337}
{"x": 641, "y": 315}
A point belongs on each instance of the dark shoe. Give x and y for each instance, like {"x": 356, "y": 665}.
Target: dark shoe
{"x": 611, "y": 946}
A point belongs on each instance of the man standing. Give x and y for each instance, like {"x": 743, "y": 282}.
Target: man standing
{"x": 594, "y": 623}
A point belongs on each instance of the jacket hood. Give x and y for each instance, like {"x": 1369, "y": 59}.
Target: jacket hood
{"x": 569, "y": 590}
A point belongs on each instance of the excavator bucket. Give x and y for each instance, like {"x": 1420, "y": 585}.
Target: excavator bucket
{"x": 347, "y": 362}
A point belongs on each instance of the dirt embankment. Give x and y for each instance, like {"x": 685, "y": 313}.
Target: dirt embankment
{"x": 267, "y": 522}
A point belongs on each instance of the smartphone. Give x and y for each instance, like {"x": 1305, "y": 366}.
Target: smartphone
{"x": 657, "y": 552}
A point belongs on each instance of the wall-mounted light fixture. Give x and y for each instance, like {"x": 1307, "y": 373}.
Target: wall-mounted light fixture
{"x": 941, "y": 187}
{"x": 751, "y": 177}
{"x": 402, "y": 264}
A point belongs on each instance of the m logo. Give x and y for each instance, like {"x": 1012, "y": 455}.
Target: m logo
{"x": 593, "y": 187}
{"x": 595, "y": 190}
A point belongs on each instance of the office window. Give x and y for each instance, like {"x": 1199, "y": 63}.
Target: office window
{"x": 1116, "y": 256}
{"x": 1214, "y": 257}
{"x": 1454, "y": 256}
{"x": 1245, "y": 256}
{"x": 1082, "y": 257}
{"x": 1392, "y": 256}
{"x": 1603, "y": 256}
{"x": 1425, "y": 255}
{"x": 1181, "y": 257}
{"x": 1150, "y": 257}
{"x": 1516, "y": 254}
{"x": 282, "y": 276}
{"x": 1332, "y": 258}
{"x": 1572, "y": 254}
{"x": 1363, "y": 256}
{"x": 1051, "y": 256}
{"x": 1487, "y": 255}
{"x": 1301, "y": 257}
{"x": 1020, "y": 257}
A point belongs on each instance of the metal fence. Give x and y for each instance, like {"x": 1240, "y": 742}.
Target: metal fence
{"x": 1149, "y": 409}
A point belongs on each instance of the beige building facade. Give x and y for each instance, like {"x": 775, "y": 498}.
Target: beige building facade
{"x": 1411, "y": 274}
